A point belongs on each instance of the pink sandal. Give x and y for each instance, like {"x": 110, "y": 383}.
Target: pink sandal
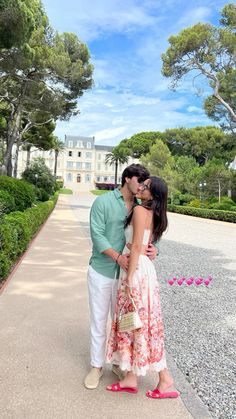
{"x": 156, "y": 394}
{"x": 116, "y": 387}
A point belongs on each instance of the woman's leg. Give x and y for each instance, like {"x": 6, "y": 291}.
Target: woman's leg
{"x": 165, "y": 380}
{"x": 130, "y": 380}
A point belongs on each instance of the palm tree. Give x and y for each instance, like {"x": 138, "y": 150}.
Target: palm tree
{"x": 117, "y": 156}
{"x": 58, "y": 147}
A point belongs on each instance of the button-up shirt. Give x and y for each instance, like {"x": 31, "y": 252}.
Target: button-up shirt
{"x": 107, "y": 218}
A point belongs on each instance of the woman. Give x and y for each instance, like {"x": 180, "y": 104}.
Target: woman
{"x": 138, "y": 351}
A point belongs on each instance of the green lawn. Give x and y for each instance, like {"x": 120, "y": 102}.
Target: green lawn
{"x": 99, "y": 191}
{"x": 66, "y": 191}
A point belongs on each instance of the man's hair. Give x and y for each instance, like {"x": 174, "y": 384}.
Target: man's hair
{"x": 135, "y": 170}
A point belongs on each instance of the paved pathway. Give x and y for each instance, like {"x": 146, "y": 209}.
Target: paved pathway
{"x": 44, "y": 334}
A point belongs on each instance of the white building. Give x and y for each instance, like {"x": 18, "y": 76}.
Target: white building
{"x": 81, "y": 164}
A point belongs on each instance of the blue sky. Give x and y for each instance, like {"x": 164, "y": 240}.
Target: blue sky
{"x": 126, "y": 39}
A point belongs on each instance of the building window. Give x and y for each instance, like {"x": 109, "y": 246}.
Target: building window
{"x": 70, "y": 153}
{"x": 79, "y": 144}
{"x": 88, "y": 155}
{"x": 79, "y": 153}
{"x": 106, "y": 167}
{"x": 105, "y": 178}
{"x": 87, "y": 178}
{"x": 99, "y": 166}
{"x": 78, "y": 178}
{"x": 78, "y": 165}
{"x": 98, "y": 178}
{"x": 69, "y": 164}
{"x": 70, "y": 143}
{"x": 88, "y": 166}
{"x": 99, "y": 156}
{"x": 69, "y": 177}
{"x": 88, "y": 145}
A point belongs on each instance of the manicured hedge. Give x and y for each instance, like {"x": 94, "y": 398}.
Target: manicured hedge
{"x": 16, "y": 231}
{"x": 229, "y": 216}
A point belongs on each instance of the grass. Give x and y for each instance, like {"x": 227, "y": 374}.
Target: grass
{"x": 66, "y": 191}
{"x": 99, "y": 191}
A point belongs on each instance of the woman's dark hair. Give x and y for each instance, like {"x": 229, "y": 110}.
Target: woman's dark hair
{"x": 158, "y": 205}
{"x": 135, "y": 170}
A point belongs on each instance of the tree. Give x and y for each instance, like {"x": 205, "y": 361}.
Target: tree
{"x": 202, "y": 143}
{"x": 217, "y": 177}
{"x": 160, "y": 162}
{"x": 208, "y": 51}
{"x": 40, "y": 175}
{"x": 139, "y": 143}
{"x": 117, "y": 156}
{"x": 45, "y": 76}
{"x": 58, "y": 147}
{"x": 17, "y": 21}
{"x": 186, "y": 168}
{"x": 38, "y": 136}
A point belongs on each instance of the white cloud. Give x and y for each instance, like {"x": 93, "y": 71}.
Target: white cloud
{"x": 195, "y": 15}
{"x": 108, "y": 133}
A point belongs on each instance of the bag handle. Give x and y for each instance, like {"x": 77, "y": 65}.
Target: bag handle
{"x": 132, "y": 301}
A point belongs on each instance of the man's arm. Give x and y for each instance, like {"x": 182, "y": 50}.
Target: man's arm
{"x": 99, "y": 239}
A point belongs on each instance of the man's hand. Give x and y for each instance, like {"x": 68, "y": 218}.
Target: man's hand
{"x": 123, "y": 261}
{"x": 152, "y": 251}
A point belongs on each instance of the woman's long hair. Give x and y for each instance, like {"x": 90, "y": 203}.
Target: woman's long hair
{"x": 158, "y": 205}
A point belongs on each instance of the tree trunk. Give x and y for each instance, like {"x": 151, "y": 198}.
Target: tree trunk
{"x": 12, "y": 137}
{"x": 13, "y": 130}
{"x": 116, "y": 170}
{"x": 16, "y": 159}
{"x": 55, "y": 164}
{"x": 28, "y": 156}
{"x": 219, "y": 190}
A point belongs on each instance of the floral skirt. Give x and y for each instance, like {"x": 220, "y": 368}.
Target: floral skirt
{"x": 143, "y": 349}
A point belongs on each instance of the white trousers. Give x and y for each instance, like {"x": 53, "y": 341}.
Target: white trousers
{"x": 102, "y": 296}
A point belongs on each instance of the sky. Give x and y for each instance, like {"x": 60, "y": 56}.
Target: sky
{"x": 126, "y": 39}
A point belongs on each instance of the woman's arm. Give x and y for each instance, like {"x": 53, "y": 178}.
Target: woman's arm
{"x": 140, "y": 218}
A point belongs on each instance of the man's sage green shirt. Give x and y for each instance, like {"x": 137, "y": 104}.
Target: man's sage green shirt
{"x": 107, "y": 218}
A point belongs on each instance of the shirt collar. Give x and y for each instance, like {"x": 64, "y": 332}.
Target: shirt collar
{"x": 119, "y": 195}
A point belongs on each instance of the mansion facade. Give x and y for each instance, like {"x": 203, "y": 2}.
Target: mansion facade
{"x": 81, "y": 164}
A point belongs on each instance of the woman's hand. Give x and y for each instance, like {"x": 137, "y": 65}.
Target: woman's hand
{"x": 128, "y": 291}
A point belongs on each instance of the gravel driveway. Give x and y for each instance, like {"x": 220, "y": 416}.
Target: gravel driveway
{"x": 200, "y": 321}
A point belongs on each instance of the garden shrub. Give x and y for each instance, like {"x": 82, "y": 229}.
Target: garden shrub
{"x": 22, "y": 192}
{"x": 40, "y": 175}
{"x": 225, "y": 204}
{"x": 7, "y": 202}
{"x": 196, "y": 203}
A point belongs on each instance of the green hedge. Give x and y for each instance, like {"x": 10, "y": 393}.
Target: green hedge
{"x": 229, "y": 216}
{"x": 22, "y": 191}
{"x": 7, "y": 202}
{"x": 16, "y": 231}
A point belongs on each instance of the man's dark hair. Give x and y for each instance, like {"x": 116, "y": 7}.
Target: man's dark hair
{"x": 135, "y": 170}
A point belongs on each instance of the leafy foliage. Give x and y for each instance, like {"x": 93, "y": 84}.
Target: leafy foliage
{"x": 40, "y": 175}
{"x": 208, "y": 51}
{"x": 22, "y": 192}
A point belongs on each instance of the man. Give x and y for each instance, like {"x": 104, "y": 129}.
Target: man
{"x": 107, "y": 217}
